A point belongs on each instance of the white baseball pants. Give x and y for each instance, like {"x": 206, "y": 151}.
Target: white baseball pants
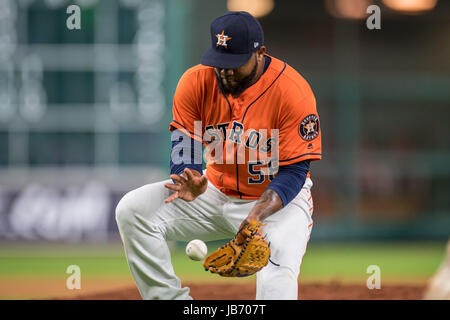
{"x": 146, "y": 223}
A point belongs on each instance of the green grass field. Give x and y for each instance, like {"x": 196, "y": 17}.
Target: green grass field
{"x": 33, "y": 271}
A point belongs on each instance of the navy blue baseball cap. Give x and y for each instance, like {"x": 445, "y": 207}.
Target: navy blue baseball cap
{"x": 234, "y": 38}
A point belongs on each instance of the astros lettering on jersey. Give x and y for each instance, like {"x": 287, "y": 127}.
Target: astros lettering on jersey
{"x": 281, "y": 101}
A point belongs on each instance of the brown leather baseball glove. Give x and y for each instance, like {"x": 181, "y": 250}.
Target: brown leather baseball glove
{"x": 245, "y": 254}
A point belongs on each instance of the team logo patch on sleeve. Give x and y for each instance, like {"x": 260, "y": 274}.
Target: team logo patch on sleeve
{"x": 308, "y": 129}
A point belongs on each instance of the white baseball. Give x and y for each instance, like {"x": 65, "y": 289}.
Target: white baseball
{"x": 196, "y": 250}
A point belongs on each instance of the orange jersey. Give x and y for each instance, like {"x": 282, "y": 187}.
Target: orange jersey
{"x": 272, "y": 123}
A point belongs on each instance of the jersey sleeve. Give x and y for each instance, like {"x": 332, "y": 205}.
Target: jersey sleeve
{"x": 299, "y": 130}
{"x": 186, "y": 107}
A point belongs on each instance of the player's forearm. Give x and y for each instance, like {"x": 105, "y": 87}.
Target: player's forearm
{"x": 286, "y": 185}
{"x": 269, "y": 203}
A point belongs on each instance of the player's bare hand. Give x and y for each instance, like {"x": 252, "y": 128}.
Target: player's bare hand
{"x": 188, "y": 186}
{"x": 247, "y": 221}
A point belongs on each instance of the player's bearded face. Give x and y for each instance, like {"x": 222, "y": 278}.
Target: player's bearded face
{"x": 235, "y": 81}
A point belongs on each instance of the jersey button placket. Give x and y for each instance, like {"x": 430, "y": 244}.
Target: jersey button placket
{"x": 236, "y": 110}
{"x": 239, "y": 105}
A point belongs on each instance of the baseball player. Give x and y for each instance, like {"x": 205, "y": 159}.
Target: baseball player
{"x": 257, "y": 118}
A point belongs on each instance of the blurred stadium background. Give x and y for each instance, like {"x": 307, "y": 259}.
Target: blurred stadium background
{"x": 84, "y": 114}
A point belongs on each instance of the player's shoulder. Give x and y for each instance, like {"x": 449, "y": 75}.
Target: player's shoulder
{"x": 290, "y": 81}
{"x": 195, "y": 79}
{"x": 198, "y": 72}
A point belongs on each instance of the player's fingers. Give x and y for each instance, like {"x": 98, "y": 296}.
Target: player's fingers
{"x": 178, "y": 178}
{"x": 204, "y": 180}
{"x": 174, "y": 187}
{"x": 189, "y": 174}
{"x": 171, "y": 197}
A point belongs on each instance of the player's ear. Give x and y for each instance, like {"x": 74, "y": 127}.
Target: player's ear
{"x": 260, "y": 52}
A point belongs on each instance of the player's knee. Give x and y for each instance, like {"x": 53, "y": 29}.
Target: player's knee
{"x": 124, "y": 211}
{"x": 133, "y": 206}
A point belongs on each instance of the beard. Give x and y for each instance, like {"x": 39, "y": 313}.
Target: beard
{"x": 243, "y": 84}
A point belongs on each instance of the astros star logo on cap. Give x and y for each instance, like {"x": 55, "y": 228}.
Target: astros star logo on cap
{"x": 222, "y": 39}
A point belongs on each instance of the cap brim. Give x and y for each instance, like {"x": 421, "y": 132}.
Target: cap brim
{"x": 222, "y": 60}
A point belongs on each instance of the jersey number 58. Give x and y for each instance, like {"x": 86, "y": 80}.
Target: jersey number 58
{"x": 260, "y": 174}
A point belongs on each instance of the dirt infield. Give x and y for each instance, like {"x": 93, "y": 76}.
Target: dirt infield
{"x": 311, "y": 291}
